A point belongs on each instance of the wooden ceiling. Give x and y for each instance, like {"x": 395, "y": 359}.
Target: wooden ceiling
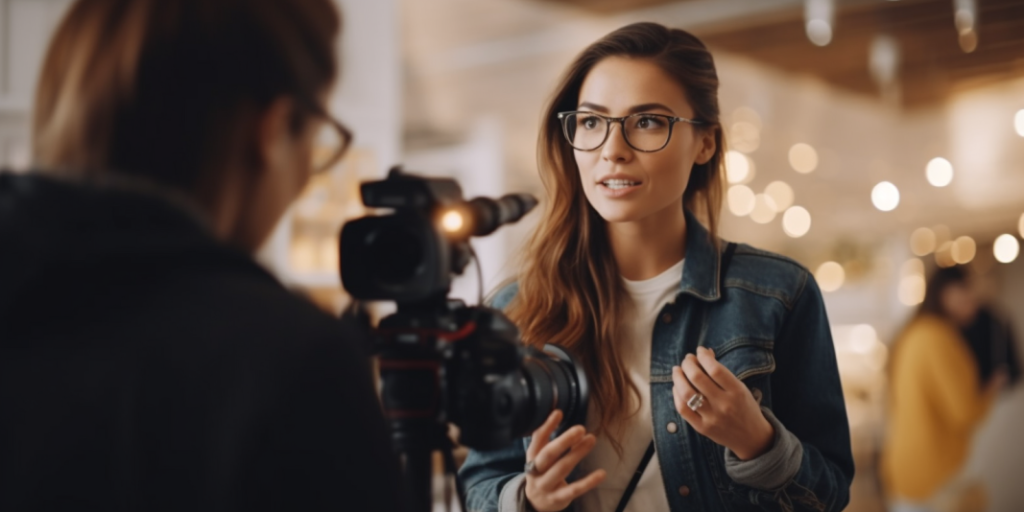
{"x": 932, "y": 64}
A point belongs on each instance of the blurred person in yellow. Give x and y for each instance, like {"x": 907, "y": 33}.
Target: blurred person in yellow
{"x": 937, "y": 399}
{"x": 146, "y": 361}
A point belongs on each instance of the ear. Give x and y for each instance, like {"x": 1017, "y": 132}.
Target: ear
{"x": 274, "y": 136}
{"x": 708, "y": 146}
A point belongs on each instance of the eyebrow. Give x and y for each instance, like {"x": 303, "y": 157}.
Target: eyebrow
{"x": 633, "y": 110}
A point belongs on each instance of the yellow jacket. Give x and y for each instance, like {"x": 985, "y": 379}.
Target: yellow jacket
{"x": 936, "y": 400}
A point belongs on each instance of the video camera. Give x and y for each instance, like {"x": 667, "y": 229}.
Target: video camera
{"x": 441, "y": 361}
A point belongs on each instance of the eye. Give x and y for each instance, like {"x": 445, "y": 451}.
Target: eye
{"x": 589, "y": 122}
{"x": 649, "y": 122}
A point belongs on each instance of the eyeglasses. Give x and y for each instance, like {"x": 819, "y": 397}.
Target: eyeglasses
{"x": 330, "y": 142}
{"x": 587, "y": 131}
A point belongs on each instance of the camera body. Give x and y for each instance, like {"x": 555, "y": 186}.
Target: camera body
{"x": 440, "y": 360}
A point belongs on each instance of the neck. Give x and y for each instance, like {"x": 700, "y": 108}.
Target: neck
{"x": 647, "y": 247}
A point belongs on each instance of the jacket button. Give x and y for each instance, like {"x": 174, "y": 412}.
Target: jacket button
{"x": 757, "y": 394}
{"x": 667, "y": 318}
{"x": 684, "y": 491}
{"x": 672, "y": 427}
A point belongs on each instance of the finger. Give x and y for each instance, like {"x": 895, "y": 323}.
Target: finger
{"x": 699, "y": 379}
{"x": 554, "y": 450}
{"x": 543, "y": 434}
{"x": 580, "y": 487}
{"x": 717, "y": 371}
{"x": 681, "y": 393}
{"x": 562, "y": 467}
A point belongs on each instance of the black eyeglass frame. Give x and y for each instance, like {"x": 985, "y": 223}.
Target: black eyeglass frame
{"x": 672, "y": 120}
{"x": 343, "y": 131}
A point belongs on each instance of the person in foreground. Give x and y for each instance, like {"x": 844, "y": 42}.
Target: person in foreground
{"x": 938, "y": 398}
{"x": 712, "y": 368}
{"x": 146, "y": 361}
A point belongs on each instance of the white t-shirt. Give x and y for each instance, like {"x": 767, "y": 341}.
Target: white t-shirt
{"x": 637, "y": 327}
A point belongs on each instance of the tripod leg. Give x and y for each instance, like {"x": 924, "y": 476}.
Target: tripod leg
{"x": 419, "y": 479}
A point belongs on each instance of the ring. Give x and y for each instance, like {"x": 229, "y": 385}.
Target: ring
{"x": 531, "y": 468}
{"x": 695, "y": 402}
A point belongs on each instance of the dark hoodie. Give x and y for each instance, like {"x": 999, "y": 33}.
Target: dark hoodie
{"x": 145, "y": 366}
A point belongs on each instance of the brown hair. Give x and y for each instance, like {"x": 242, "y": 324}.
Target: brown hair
{"x": 163, "y": 89}
{"x": 569, "y": 289}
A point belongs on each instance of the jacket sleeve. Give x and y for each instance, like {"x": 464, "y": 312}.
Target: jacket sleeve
{"x": 808, "y": 401}
{"x": 485, "y": 476}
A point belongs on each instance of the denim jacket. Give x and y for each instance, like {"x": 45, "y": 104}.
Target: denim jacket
{"x": 766, "y": 322}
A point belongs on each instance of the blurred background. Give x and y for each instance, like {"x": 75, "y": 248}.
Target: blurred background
{"x": 871, "y": 140}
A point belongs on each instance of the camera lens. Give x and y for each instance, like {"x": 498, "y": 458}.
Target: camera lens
{"x": 554, "y": 380}
{"x": 395, "y": 253}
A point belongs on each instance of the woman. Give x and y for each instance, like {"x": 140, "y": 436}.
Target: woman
{"x": 722, "y": 356}
{"x": 937, "y": 398}
{"x": 146, "y": 361}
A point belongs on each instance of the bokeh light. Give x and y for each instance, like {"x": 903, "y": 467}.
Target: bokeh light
{"x": 922, "y": 242}
{"x": 911, "y": 290}
{"x": 819, "y": 32}
{"x": 939, "y": 172}
{"x": 741, "y": 200}
{"x": 781, "y": 193}
{"x": 737, "y": 167}
{"x": 796, "y": 222}
{"x": 944, "y": 255}
{"x": 830, "y": 276}
{"x": 744, "y": 136}
{"x": 963, "y": 250}
{"x": 803, "y": 158}
{"x": 1018, "y": 122}
{"x": 1006, "y": 248}
{"x": 764, "y": 209}
{"x": 885, "y": 196}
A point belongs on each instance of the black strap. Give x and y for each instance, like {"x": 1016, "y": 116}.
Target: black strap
{"x": 730, "y": 248}
{"x": 636, "y": 478}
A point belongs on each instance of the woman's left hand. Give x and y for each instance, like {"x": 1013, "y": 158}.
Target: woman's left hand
{"x": 728, "y": 414}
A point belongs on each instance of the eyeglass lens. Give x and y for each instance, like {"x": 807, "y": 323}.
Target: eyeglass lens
{"x": 587, "y": 131}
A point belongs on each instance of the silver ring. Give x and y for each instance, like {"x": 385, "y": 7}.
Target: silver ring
{"x": 531, "y": 468}
{"x": 695, "y": 402}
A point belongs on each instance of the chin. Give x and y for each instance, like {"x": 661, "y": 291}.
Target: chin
{"x": 617, "y": 215}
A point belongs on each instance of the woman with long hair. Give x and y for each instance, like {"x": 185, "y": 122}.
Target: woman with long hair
{"x": 937, "y": 398}
{"x": 712, "y": 369}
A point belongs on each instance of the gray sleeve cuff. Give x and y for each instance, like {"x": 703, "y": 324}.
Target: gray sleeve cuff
{"x": 773, "y": 469}
{"x": 513, "y": 495}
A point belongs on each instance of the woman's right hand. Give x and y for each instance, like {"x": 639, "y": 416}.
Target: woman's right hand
{"x": 546, "y": 488}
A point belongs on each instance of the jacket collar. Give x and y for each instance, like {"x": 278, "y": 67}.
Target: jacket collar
{"x": 701, "y": 273}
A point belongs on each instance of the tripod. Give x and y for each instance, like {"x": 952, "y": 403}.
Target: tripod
{"x": 416, "y": 449}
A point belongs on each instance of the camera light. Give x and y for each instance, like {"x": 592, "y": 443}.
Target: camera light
{"x": 452, "y": 221}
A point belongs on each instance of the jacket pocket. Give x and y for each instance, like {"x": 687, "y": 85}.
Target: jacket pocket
{"x": 746, "y": 357}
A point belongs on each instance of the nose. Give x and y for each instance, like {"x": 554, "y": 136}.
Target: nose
{"x": 615, "y": 148}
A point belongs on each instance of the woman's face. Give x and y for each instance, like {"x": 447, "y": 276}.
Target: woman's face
{"x": 654, "y": 182}
{"x": 960, "y": 302}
